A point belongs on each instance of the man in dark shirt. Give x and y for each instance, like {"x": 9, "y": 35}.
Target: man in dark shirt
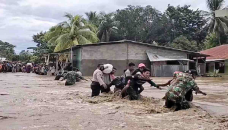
{"x": 134, "y": 86}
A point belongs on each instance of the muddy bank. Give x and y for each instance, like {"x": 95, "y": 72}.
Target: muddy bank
{"x": 29, "y": 101}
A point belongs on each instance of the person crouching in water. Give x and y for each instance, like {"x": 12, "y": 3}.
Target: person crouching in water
{"x": 134, "y": 86}
{"x": 98, "y": 81}
{"x": 176, "y": 94}
{"x": 72, "y": 77}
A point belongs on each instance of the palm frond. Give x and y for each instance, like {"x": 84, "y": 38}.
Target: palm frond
{"x": 223, "y": 26}
{"x": 89, "y": 35}
{"x": 91, "y": 27}
{"x": 63, "y": 42}
{"x": 215, "y": 28}
{"x": 211, "y": 26}
{"x": 75, "y": 41}
{"x": 64, "y": 24}
{"x": 225, "y": 20}
{"x": 53, "y": 33}
{"x": 82, "y": 40}
{"x": 214, "y": 4}
{"x": 69, "y": 16}
{"x": 52, "y": 41}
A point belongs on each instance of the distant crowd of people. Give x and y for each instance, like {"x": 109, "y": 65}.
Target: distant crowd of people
{"x": 41, "y": 69}
{"x": 7, "y": 66}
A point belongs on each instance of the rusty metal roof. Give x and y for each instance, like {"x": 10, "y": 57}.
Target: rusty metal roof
{"x": 219, "y": 52}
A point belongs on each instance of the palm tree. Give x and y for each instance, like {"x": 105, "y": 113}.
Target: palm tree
{"x": 75, "y": 31}
{"x": 107, "y": 27}
{"x": 218, "y": 25}
{"x": 93, "y": 18}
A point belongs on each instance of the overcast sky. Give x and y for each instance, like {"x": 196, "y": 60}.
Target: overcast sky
{"x": 20, "y": 19}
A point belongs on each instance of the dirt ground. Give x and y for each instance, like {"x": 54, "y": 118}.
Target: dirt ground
{"x": 33, "y": 102}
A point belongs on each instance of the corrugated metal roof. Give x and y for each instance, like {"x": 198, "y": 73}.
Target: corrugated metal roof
{"x": 134, "y": 42}
{"x": 154, "y": 57}
{"x": 219, "y": 52}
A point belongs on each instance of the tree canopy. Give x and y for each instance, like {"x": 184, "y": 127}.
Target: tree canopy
{"x": 180, "y": 27}
{"x": 7, "y": 50}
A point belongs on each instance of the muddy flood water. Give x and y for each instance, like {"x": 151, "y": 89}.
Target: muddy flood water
{"x": 33, "y": 102}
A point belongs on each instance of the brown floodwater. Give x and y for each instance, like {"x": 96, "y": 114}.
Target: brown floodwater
{"x": 34, "y": 102}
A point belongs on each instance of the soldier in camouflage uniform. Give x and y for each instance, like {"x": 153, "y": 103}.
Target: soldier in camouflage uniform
{"x": 72, "y": 77}
{"x": 59, "y": 75}
{"x": 177, "y": 91}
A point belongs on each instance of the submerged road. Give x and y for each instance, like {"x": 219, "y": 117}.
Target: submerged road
{"x": 34, "y": 102}
{"x": 216, "y": 102}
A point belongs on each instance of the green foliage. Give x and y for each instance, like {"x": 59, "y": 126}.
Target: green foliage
{"x": 24, "y": 56}
{"x": 35, "y": 59}
{"x": 15, "y": 58}
{"x": 147, "y": 24}
{"x": 183, "y": 43}
{"x": 42, "y": 44}
{"x": 7, "y": 50}
{"x": 108, "y": 27}
{"x": 179, "y": 26}
{"x": 135, "y": 22}
{"x": 218, "y": 25}
{"x": 93, "y": 18}
{"x": 75, "y": 31}
{"x": 211, "y": 41}
{"x": 187, "y": 22}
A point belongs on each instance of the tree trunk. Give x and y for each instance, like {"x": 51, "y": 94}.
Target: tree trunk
{"x": 219, "y": 39}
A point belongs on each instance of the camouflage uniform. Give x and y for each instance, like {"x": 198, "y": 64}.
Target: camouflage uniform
{"x": 72, "y": 77}
{"x": 179, "y": 88}
{"x": 58, "y": 76}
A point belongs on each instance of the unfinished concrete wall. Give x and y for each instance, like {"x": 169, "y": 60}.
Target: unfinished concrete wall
{"x": 120, "y": 54}
{"x": 137, "y": 54}
{"x": 115, "y": 54}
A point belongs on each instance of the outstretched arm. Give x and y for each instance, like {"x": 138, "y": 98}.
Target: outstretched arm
{"x": 83, "y": 78}
{"x": 143, "y": 79}
{"x": 153, "y": 84}
{"x": 199, "y": 91}
{"x": 166, "y": 84}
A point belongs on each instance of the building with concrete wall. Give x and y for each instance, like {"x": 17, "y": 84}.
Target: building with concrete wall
{"x": 121, "y": 53}
{"x": 218, "y": 59}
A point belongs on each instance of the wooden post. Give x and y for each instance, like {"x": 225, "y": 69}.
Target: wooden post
{"x": 188, "y": 65}
{"x": 197, "y": 61}
{"x": 57, "y": 63}
{"x": 71, "y": 56}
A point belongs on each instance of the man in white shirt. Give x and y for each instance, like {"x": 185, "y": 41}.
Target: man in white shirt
{"x": 130, "y": 70}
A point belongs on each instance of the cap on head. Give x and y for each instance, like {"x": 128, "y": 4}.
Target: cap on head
{"x": 141, "y": 65}
{"x": 176, "y": 72}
